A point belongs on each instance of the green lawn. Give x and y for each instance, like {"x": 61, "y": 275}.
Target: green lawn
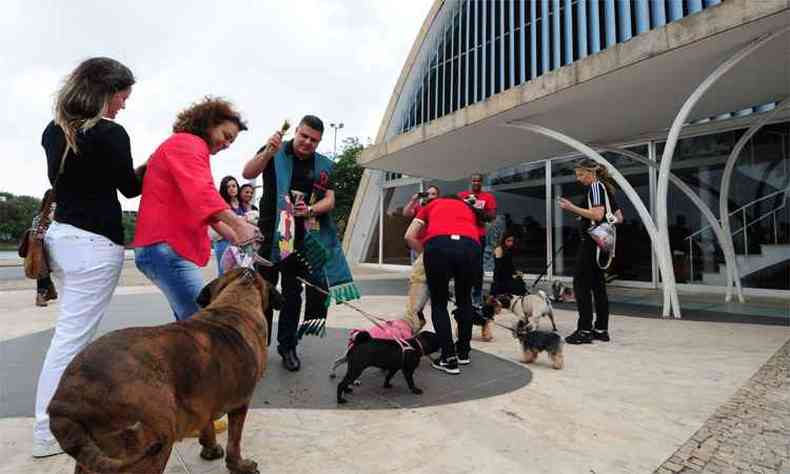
{"x": 8, "y": 245}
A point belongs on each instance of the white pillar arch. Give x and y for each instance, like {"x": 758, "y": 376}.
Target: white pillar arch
{"x": 726, "y": 178}
{"x": 729, "y": 257}
{"x": 670, "y": 303}
{"x": 681, "y": 118}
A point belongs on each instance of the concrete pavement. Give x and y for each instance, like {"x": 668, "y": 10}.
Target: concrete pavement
{"x": 628, "y": 406}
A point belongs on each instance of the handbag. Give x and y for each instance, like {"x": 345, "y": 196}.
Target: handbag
{"x": 31, "y": 246}
{"x": 604, "y": 234}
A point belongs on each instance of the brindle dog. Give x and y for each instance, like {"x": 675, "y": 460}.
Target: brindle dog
{"x": 132, "y": 393}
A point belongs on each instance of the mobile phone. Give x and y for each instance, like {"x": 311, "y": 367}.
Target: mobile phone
{"x": 422, "y": 195}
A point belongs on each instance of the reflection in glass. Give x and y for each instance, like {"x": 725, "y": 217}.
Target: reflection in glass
{"x": 396, "y": 251}
{"x": 757, "y": 201}
{"x": 521, "y": 206}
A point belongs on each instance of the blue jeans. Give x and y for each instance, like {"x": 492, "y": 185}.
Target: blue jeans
{"x": 219, "y": 249}
{"x": 179, "y": 279}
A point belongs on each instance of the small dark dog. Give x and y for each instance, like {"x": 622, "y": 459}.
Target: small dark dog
{"x": 533, "y": 342}
{"x": 385, "y": 354}
{"x": 562, "y": 293}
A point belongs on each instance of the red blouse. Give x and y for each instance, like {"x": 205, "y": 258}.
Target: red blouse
{"x": 179, "y": 198}
{"x": 444, "y": 216}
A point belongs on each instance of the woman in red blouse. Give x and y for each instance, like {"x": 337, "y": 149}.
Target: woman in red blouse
{"x": 180, "y": 201}
{"x": 446, "y": 229}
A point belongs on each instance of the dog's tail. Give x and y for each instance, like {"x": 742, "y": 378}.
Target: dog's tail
{"x": 362, "y": 337}
{"x": 79, "y": 444}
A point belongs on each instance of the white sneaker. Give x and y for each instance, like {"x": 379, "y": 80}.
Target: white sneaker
{"x": 45, "y": 448}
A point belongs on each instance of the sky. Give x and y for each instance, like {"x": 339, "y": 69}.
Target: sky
{"x": 337, "y": 59}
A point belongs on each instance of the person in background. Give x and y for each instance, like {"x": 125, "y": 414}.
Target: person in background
{"x": 45, "y": 288}
{"x": 229, "y": 190}
{"x": 446, "y": 229}
{"x": 507, "y": 280}
{"x": 246, "y": 195}
{"x": 588, "y": 278}
{"x": 179, "y": 202}
{"x": 85, "y": 241}
{"x": 419, "y": 199}
{"x": 485, "y": 202}
{"x": 418, "y": 284}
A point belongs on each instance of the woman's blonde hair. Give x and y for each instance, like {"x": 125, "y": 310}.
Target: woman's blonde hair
{"x": 599, "y": 171}
{"x": 82, "y": 100}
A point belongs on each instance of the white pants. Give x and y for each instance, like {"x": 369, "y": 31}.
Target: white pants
{"x": 88, "y": 266}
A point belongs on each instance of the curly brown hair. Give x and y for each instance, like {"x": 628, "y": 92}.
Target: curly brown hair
{"x": 206, "y": 114}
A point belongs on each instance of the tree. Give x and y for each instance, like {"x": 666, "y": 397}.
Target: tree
{"x": 345, "y": 177}
{"x": 16, "y": 214}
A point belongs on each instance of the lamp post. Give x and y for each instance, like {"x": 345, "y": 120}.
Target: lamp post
{"x": 336, "y": 127}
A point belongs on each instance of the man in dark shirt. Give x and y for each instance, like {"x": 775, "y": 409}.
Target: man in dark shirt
{"x": 301, "y": 152}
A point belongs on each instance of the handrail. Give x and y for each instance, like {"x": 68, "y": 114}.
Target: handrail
{"x": 785, "y": 191}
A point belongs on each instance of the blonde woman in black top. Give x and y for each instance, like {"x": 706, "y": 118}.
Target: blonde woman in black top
{"x": 88, "y": 160}
{"x": 588, "y": 278}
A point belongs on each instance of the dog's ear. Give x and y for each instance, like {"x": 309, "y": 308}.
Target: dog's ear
{"x": 504, "y": 301}
{"x": 275, "y": 298}
{"x": 204, "y": 298}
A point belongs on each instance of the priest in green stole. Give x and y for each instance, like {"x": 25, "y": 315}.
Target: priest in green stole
{"x": 295, "y": 216}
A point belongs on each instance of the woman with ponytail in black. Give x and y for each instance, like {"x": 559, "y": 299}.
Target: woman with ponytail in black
{"x": 588, "y": 278}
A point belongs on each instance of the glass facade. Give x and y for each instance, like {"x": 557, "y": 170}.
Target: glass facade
{"x": 527, "y": 203}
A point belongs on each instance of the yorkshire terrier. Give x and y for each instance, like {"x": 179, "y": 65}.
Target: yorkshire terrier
{"x": 534, "y": 341}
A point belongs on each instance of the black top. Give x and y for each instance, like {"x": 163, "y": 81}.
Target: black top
{"x": 504, "y": 269}
{"x": 87, "y": 192}
{"x": 597, "y": 196}
{"x": 301, "y": 180}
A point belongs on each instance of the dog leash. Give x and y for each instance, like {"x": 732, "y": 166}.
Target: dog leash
{"x": 376, "y": 320}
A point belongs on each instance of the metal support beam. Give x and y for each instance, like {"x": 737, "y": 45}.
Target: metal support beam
{"x": 724, "y": 212}
{"x": 674, "y": 133}
{"x": 729, "y": 258}
{"x": 665, "y": 261}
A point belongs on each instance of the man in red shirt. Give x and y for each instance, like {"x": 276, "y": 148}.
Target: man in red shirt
{"x": 485, "y": 201}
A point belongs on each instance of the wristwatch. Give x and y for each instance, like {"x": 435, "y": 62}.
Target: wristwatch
{"x": 310, "y": 211}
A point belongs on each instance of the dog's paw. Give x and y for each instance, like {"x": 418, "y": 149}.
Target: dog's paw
{"x": 416, "y": 391}
{"x": 212, "y": 453}
{"x": 341, "y": 401}
{"x": 357, "y": 383}
{"x": 243, "y": 466}
{"x": 348, "y": 390}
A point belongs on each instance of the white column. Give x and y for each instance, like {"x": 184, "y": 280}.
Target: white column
{"x": 724, "y": 212}
{"x": 729, "y": 260}
{"x": 674, "y": 133}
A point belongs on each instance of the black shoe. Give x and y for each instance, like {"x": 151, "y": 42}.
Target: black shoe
{"x": 290, "y": 360}
{"x": 580, "y": 337}
{"x": 601, "y": 336}
{"x": 449, "y": 365}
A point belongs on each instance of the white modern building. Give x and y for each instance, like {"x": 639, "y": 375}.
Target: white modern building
{"x": 685, "y": 101}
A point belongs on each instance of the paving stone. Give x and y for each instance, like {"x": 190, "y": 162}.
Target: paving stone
{"x": 749, "y": 432}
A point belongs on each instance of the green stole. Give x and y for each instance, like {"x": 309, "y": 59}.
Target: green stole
{"x": 321, "y": 233}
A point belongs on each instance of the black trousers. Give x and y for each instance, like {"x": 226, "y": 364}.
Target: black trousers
{"x": 288, "y": 323}
{"x": 445, "y": 259}
{"x": 589, "y": 283}
{"x": 43, "y": 284}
